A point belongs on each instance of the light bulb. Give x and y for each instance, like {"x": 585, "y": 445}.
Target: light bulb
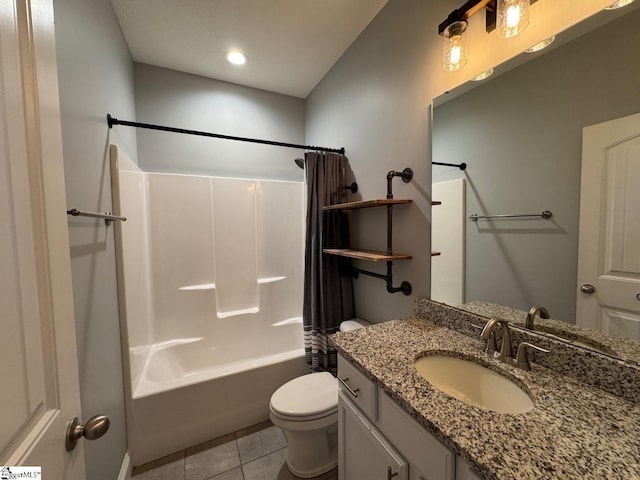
{"x": 455, "y": 46}
{"x": 512, "y": 17}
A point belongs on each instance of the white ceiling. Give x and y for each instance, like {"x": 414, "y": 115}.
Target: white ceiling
{"x": 291, "y": 44}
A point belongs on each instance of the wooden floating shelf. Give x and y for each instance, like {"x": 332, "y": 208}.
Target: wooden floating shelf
{"x": 380, "y": 202}
{"x": 369, "y": 255}
{"x": 436, "y": 203}
{"x": 435, "y": 254}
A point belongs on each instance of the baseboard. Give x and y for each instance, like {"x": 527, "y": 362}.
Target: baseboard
{"x": 125, "y": 469}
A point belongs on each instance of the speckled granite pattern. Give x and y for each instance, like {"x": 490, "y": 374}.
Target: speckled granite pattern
{"x": 623, "y": 348}
{"x": 587, "y": 366}
{"x": 574, "y": 432}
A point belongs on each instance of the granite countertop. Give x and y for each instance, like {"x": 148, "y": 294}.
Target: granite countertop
{"x": 574, "y": 431}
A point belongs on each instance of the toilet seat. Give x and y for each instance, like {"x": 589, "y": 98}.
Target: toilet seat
{"x": 306, "y": 398}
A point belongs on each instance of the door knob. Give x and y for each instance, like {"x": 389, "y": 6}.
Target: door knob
{"x": 95, "y": 427}
{"x": 587, "y": 288}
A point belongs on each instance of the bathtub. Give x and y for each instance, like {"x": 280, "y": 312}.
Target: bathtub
{"x": 210, "y": 320}
{"x": 191, "y": 390}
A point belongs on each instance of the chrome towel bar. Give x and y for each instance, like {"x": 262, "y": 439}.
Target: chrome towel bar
{"x": 108, "y": 216}
{"x": 546, "y": 215}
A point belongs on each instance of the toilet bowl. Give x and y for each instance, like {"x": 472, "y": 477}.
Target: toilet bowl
{"x": 306, "y": 409}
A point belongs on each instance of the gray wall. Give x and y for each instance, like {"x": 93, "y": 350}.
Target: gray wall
{"x": 520, "y": 135}
{"x": 96, "y": 77}
{"x": 375, "y": 102}
{"x": 182, "y": 100}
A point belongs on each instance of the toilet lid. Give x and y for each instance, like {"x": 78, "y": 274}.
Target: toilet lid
{"x": 307, "y": 395}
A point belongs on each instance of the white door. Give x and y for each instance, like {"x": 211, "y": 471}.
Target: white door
{"x": 38, "y": 359}
{"x": 608, "y": 297}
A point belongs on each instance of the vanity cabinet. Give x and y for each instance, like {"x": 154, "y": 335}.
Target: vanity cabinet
{"x": 379, "y": 440}
{"x": 363, "y": 452}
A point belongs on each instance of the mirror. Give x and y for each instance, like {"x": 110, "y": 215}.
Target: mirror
{"x": 520, "y": 134}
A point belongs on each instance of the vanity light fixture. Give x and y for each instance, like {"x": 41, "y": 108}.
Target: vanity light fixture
{"x": 541, "y": 45}
{"x": 512, "y": 17}
{"x": 619, "y": 4}
{"x": 483, "y": 75}
{"x": 455, "y": 46}
{"x": 509, "y": 16}
{"x": 236, "y": 57}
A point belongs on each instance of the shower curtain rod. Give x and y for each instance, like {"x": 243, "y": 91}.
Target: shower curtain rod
{"x": 111, "y": 121}
{"x": 461, "y": 166}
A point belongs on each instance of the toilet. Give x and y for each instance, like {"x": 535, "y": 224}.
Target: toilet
{"x": 306, "y": 409}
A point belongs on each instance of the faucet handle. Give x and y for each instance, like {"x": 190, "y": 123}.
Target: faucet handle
{"x": 522, "y": 360}
{"x": 492, "y": 346}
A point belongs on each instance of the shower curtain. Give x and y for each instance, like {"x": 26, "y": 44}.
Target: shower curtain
{"x": 328, "y": 295}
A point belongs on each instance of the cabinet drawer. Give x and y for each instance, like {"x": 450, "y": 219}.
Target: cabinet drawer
{"x": 358, "y": 388}
{"x": 418, "y": 446}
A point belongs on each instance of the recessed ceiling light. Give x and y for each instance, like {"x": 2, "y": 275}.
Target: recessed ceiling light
{"x": 236, "y": 57}
{"x": 618, "y": 4}
{"x": 483, "y": 75}
{"x": 541, "y": 45}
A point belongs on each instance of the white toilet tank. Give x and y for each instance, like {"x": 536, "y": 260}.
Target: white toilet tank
{"x": 353, "y": 324}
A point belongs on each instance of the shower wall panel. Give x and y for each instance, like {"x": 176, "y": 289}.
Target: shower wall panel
{"x": 182, "y": 261}
{"x": 280, "y": 246}
{"x": 234, "y": 245}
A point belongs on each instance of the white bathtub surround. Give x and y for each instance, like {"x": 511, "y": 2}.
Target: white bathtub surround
{"x": 234, "y": 245}
{"x": 448, "y": 237}
{"x": 210, "y": 291}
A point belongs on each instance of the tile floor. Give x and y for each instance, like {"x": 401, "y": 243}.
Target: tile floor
{"x": 255, "y": 453}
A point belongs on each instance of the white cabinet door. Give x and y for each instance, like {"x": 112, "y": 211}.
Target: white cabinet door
{"x": 428, "y": 458}
{"x": 608, "y": 297}
{"x": 363, "y": 452}
{"x": 464, "y": 472}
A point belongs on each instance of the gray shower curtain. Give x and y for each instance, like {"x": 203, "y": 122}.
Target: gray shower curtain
{"x": 328, "y": 288}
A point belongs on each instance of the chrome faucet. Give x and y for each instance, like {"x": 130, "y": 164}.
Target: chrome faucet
{"x": 505, "y": 345}
{"x": 536, "y": 309}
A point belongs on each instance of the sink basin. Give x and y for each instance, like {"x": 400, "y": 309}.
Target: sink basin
{"x": 473, "y": 384}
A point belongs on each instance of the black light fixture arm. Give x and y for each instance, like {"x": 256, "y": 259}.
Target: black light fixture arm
{"x": 470, "y": 8}
{"x": 467, "y": 10}
{"x": 111, "y": 121}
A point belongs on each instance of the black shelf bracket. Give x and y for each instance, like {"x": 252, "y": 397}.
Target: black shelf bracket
{"x": 405, "y": 287}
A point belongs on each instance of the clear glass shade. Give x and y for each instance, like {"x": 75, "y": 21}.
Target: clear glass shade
{"x": 454, "y": 46}
{"x": 513, "y": 17}
{"x": 619, "y": 4}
